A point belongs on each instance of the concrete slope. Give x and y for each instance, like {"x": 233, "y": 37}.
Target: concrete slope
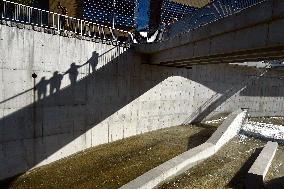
{"x": 229, "y": 128}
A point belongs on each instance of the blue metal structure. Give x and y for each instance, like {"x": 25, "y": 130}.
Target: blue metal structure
{"x": 172, "y": 10}
{"x": 116, "y": 13}
{"x": 216, "y": 10}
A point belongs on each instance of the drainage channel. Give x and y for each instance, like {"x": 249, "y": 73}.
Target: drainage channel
{"x": 113, "y": 165}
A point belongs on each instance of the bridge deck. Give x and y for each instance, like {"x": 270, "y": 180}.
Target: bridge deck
{"x": 250, "y": 35}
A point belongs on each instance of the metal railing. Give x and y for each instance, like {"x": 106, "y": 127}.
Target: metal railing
{"x": 214, "y": 11}
{"x": 46, "y": 19}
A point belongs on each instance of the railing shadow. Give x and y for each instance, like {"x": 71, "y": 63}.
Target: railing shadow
{"x": 220, "y": 97}
{"x": 38, "y": 131}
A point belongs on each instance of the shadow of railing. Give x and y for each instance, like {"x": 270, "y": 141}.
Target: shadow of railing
{"x": 218, "y": 98}
{"x": 35, "y": 132}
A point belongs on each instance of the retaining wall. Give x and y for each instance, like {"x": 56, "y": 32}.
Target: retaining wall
{"x": 89, "y": 93}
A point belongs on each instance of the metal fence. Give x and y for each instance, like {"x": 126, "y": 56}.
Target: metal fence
{"x": 20, "y": 13}
{"x": 216, "y": 10}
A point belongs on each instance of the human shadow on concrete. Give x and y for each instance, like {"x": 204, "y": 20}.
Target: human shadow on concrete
{"x": 73, "y": 73}
{"x": 37, "y": 131}
{"x": 93, "y": 61}
{"x": 238, "y": 181}
{"x": 55, "y": 82}
{"x": 41, "y": 88}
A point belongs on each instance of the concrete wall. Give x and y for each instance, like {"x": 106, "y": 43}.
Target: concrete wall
{"x": 112, "y": 96}
{"x": 117, "y": 99}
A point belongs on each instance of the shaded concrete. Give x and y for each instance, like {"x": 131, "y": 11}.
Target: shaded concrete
{"x": 258, "y": 170}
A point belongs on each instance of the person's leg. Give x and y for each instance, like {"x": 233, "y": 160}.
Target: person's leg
{"x": 62, "y": 20}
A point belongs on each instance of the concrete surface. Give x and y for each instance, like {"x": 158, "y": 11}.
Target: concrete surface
{"x": 250, "y": 35}
{"x": 228, "y": 129}
{"x": 113, "y": 96}
{"x": 257, "y": 172}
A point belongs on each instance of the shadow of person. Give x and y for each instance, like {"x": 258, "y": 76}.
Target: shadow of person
{"x": 41, "y": 88}
{"x": 73, "y": 73}
{"x": 55, "y": 82}
{"x": 93, "y": 61}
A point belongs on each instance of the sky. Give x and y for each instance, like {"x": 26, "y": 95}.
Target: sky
{"x": 142, "y": 17}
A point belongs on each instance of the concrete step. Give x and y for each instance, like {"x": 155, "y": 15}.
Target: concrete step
{"x": 257, "y": 172}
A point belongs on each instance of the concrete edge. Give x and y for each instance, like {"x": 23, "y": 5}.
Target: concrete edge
{"x": 228, "y": 129}
{"x": 257, "y": 172}
{"x": 190, "y": 158}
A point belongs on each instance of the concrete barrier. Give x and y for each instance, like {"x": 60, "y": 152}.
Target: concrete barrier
{"x": 228, "y": 129}
{"x": 257, "y": 172}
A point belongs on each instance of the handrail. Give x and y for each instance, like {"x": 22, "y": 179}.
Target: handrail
{"x": 17, "y": 12}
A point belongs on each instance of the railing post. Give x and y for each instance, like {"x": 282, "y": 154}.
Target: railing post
{"x": 40, "y": 16}
{"x": 53, "y": 24}
{"x": 34, "y": 16}
{"x": 74, "y": 25}
{"x": 58, "y": 23}
{"x": 81, "y": 27}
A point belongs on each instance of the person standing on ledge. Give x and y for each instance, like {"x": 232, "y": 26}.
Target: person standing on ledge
{"x": 63, "y": 18}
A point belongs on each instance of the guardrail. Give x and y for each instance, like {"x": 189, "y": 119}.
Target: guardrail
{"x": 46, "y": 19}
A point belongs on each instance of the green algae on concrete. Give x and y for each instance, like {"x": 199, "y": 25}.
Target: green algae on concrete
{"x": 112, "y": 165}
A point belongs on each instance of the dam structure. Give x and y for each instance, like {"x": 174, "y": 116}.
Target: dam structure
{"x": 66, "y": 89}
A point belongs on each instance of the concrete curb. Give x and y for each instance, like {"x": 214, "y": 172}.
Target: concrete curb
{"x": 175, "y": 166}
{"x": 257, "y": 172}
